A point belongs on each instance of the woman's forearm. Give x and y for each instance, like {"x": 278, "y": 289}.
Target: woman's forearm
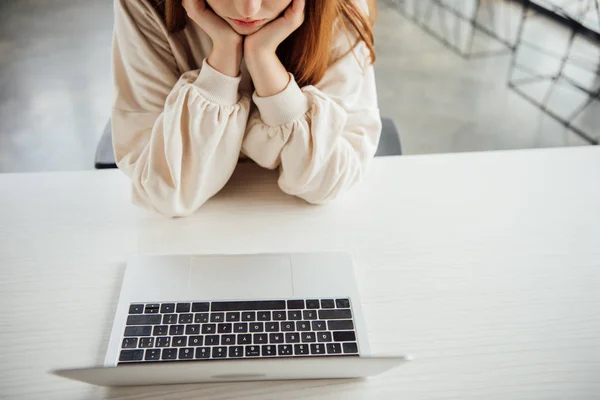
{"x": 268, "y": 73}
{"x": 226, "y": 57}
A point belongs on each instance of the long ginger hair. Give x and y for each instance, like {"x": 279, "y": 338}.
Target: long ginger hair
{"x": 306, "y": 52}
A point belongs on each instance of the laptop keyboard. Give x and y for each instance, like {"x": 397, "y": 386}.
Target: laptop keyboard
{"x": 238, "y": 329}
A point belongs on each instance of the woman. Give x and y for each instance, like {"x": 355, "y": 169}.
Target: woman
{"x": 285, "y": 83}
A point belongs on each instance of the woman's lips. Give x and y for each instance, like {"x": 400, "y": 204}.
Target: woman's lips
{"x": 247, "y": 24}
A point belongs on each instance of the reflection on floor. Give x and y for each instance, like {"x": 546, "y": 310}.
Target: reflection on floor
{"x": 55, "y": 90}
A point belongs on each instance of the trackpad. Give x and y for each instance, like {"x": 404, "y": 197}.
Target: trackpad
{"x": 241, "y": 277}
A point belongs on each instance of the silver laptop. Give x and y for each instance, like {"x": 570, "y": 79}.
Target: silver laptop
{"x": 190, "y": 319}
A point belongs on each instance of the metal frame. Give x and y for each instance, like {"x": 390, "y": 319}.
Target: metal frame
{"x": 561, "y": 12}
{"x": 566, "y": 58}
{"x": 425, "y": 12}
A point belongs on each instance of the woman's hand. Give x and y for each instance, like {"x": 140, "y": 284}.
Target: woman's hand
{"x": 226, "y": 54}
{"x": 268, "y": 73}
{"x": 268, "y": 38}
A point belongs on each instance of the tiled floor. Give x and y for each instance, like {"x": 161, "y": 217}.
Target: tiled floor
{"x": 55, "y": 89}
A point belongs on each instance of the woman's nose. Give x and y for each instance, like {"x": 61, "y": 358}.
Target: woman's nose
{"x": 248, "y": 8}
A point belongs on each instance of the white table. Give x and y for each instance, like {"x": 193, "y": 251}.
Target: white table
{"x": 485, "y": 267}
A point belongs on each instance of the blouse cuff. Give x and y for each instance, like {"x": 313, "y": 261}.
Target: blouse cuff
{"x": 217, "y": 87}
{"x": 286, "y": 106}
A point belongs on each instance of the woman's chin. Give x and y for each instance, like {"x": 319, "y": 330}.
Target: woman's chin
{"x": 246, "y": 31}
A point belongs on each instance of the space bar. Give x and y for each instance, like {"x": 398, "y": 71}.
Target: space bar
{"x": 247, "y": 305}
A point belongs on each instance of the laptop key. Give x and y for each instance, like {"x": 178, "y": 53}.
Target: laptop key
{"x": 295, "y": 315}
{"x": 176, "y": 330}
{"x": 340, "y": 325}
{"x": 152, "y": 355}
{"x": 225, "y": 328}
{"x": 241, "y": 327}
{"x": 169, "y": 354}
{"x": 179, "y": 341}
{"x": 201, "y": 318}
{"x": 195, "y": 341}
{"x": 244, "y": 339}
{"x": 186, "y": 354}
{"x": 227, "y": 340}
{"x": 288, "y": 326}
{"x": 301, "y": 349}
{"x": 263, "y": 315}
{"x": 279, "y": 315}
{"x": 202, "y": 352}
{"x": 146, "y": 342}
{"x": 334, "y": 348}
{"x": 136, "y": 309}
{"x": 164, "y": 341}
{"x": 310, "y": 314}
{"x": 138, "y": 331}
{"x": 129, "y": 343}
{"x": 344, "y": 336}
{"x": 212, "y": 340}
{"x": 169, "y": 319}
{"x": 209, "y": 328}
{"x": 219, "y": 352}
{"x": 272, "y": 327}
{"x": 232, "y": 316}
{"x": 182, "y": 308}
{"x": 335, "y": 314}
{"x": 269, "y": 350}
{"x": 319, "y": 326}
{"x": 167, "y": 308}
{"x": 186, "y": 318}
{"x": 131, "y": 355}
{"x": 236, "y": 351}
{"x": 257, "y": 327}
{"x": 324, "y": 337}
{"x": 317, "y": 349}
{"x": 144, "y": 319}
{"x": 252, "y": 351}
{"x": 328, "y": 303}
{"x": 350, "y": 348}
{"x": 160, "y": 330}
{"x": 276, "y": 338}
{"x": 308, "y": 337}
{"x": 342, "y": 303}
{"x": 217, "y": 317}
{"x": 295, "y": 304}
{"x": 303, "y": 326}
{"x": 312, "y": 304}
{"x": 285, "y": 350}
{"x": 193, "y": 329}
{"x": 292, "y": 338}
{"x": 152, "y": 309}
{"x": 200, "y": 307}
{"x": 261, "y": 338}
{"x": 249, "y": 316}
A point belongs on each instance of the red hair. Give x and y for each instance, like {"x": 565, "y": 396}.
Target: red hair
{"x": 306, "y": 53}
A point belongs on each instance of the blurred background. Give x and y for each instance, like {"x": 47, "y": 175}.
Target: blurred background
{"x": 453, "y": 75}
